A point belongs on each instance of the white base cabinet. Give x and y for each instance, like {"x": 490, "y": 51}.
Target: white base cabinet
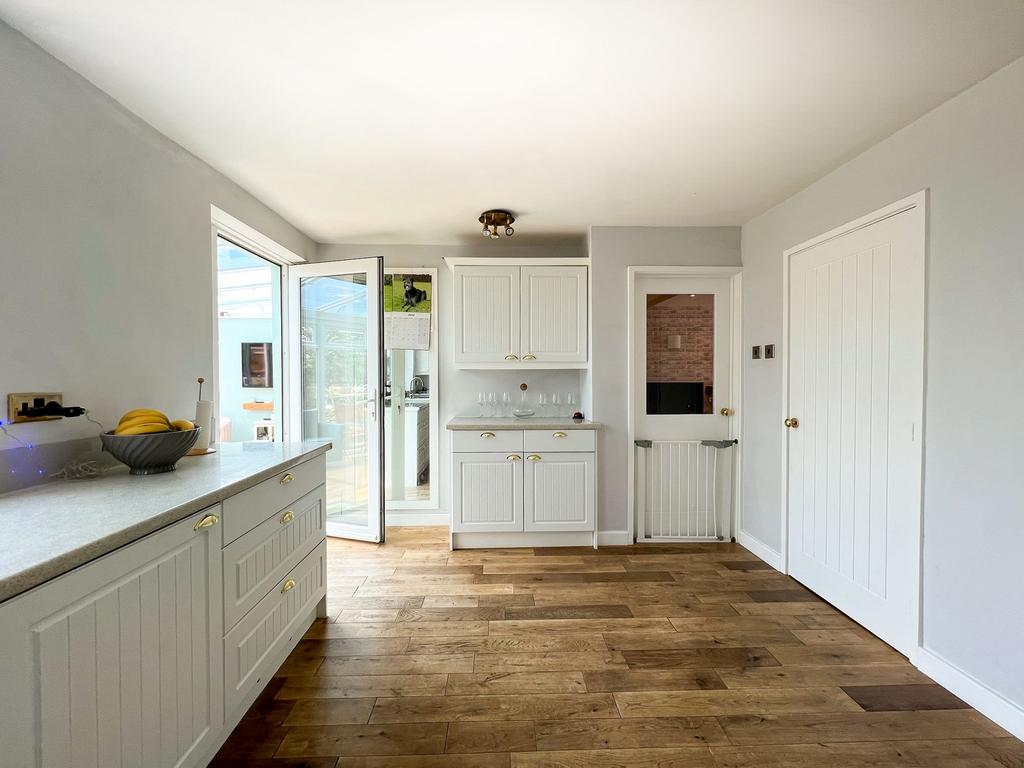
{"x": 147, "y": 656}
{"x": 515, "y": 489}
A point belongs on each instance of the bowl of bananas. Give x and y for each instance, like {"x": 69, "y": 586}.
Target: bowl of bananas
{"x": 148, "y": 442}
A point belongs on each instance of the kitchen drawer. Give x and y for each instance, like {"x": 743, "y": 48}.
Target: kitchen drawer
{"x": 245, "y": 510}
{"x": 257, "y": 560}
{"x": 560, "y": 440}
{"x": 253, "y": 646}
{"x": 487, "y": 440}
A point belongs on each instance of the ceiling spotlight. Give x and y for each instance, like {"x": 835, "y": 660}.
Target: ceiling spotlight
{"x": 495, "y": 219}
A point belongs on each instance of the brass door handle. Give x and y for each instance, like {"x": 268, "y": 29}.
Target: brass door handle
{"x": 727, "y": 411}
{"x": 529, "y": 357}
{"x": 559, "y": 434}
{"x": 792, "y": 422}
{"x": 533, "y": 457}
{"x": 287, "y": 517}
{"x": 514, "y": 457}
{"x": 286, "y": 478}
{"x": 288, "y": 586}
{"x": 511, "y": 357}
{"x": 207, "y": 522}
{"x": 487, "y": 434}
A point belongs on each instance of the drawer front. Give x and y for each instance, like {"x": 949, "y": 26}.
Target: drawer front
{"x": 245, "y": 510}
{"x": 257, "y": 560}
{"x": 253, "y": 644}
{"x": 573, "y": 440}
{"x": 487, "y": 440}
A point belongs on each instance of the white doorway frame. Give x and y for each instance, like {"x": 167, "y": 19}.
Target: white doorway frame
{"x": 735, "y": 385}
{"x": 433, "y": 503}
{"x": 917, "y": 206}
{"x": 223, "y": 224}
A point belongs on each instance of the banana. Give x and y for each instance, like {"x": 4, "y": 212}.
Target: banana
{"x": 149, "y": 413}
{"x": 143, "y": 429}
{"x": 142, "y": 421}
{"x": 182, "y": 425}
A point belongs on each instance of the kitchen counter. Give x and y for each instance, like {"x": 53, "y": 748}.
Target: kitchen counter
{"x": 53, "y": 528}
{"x": 510, "y": 422}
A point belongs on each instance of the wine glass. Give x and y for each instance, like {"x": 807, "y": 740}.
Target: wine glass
{"x": 506, "y": 404}
{"x": 570, "y": 403}
{"x": 542, "y": 404}
{"x": 556, "y": 405}
{"x": 481, "y": 400}
{"x": 492, "y": 404}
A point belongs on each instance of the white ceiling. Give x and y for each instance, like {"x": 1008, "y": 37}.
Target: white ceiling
{"x": 400, "y": 120}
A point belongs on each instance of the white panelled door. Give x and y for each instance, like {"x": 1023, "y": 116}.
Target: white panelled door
{"x": 487, "y": 492}
{"x": 856, "y": 328}
{"x": 559, "y": 492}
{"x": 554, "y": 314}
{"x": 486, "y": 314}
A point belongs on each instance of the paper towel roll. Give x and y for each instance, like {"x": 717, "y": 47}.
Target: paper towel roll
{"x": 204, "y": 419}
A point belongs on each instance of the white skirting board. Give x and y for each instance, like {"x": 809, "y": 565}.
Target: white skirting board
{"x": 991, "y": 704}
{"x": 501, "y": 540}
{"x": 762, "y": 550}
{"x": 613, "y": 538}
{"x": 399, "y": 517}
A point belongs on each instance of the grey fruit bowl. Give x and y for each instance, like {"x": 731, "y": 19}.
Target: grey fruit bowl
{"x": 150, "y": 454}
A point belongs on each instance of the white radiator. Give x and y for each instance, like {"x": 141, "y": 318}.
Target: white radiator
{"x": 678, "y": 491}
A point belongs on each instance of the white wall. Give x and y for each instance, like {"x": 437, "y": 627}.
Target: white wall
{"x": 105, "y": 249}
{"x": 612, "y": 249}
{"x": 457, "y": 388}
{"x": 969, "y": 154}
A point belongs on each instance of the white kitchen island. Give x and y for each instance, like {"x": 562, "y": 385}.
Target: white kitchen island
{"x": 142, "y": 615}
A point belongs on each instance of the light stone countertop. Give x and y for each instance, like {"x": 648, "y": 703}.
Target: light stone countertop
{"x": 53, "y": 528}
{"x": 510, "y": 422}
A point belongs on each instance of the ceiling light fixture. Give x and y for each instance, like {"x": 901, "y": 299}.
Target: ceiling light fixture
{"x": 496, "y": 219}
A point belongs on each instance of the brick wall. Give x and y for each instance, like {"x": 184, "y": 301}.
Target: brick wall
{"x": 693, "y": 320}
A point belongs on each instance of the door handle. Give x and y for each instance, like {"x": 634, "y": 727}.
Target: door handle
{"x": 529, "y": 357}
{"x": 511, "y": 357}
{"x": 727, "y": 411}
{"x": 207, "y": 522}
{"x": 514, "y": 457}
{"x": 373, "y": 405}
{"x": 288, "y": 586}
{"x": 533, "y": 457}
{"x": 792, "y": 422}
{"x": 286, "y": 478}
{"x": 287, "y": 517}
{"x": 559, "y": 434}
{"x": 487, "y": 434}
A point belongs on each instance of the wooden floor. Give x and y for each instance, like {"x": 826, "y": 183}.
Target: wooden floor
{"x": 646, "y": 656}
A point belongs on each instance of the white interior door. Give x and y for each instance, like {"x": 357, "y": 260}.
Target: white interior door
{"x": 682, "y": 382}
{"x": 337, "y": 385}
{"x": 856, "y": 329}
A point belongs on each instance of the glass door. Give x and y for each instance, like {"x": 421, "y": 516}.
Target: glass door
{"x": 337, "y": 385}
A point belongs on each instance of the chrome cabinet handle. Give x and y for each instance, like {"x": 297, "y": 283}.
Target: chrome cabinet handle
{"x": 559, "y": 434}
{"x": 533, "y": 457}
{"x": 288, "y": 586}
{"x": 287, "y": 517}
{"x": 514, "y": 457}
{"x": 287, "y": 478}
{"x": 207, "y": 522}
{"x": 529, "y": 357}
{"x": 487, "y": 434}
{"x": 512, "y": 357}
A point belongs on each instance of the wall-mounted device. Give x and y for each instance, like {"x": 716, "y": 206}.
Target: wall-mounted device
{"x": 769, "y": 351}
{"x": 755, "y": 352}
{"x": 39, "y": 406}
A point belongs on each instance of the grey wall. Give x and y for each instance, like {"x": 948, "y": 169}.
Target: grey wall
{"x": 969, "y": 154}
{"x": 612, "y": 249}
{"x": 107, "y": 268}
{"x": 458, "y": 389}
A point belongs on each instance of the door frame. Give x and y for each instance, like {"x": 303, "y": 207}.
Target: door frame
{"x": 917, "y": 206}
{"x": 224, "y": 225}
{"x": 735, "y": 275}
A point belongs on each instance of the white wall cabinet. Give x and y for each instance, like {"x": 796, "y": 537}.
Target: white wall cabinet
{"x": 119, "y": 662}
{"x": 516, "y": 490}
{"x": 516, "y": 317}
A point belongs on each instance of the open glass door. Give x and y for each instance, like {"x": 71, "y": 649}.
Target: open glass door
{"x": 337, "y": 383}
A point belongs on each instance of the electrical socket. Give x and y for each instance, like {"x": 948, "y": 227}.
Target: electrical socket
{"x": 16, "y": 400}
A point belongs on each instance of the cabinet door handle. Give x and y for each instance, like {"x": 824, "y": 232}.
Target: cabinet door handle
{"x": 559, "y": 434}
{"x": 287, "y": 478}
{"x": 512, "y": 357}
{"x": 529, "y": 357}
{"x": 287, "y": 517}
{"x": 288, "y": 586}
{"x": 533, "y": 457}
{"x": 207, "y": 522}
{"x": 514, "y": 457}
{"x": 487, "y": 434}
